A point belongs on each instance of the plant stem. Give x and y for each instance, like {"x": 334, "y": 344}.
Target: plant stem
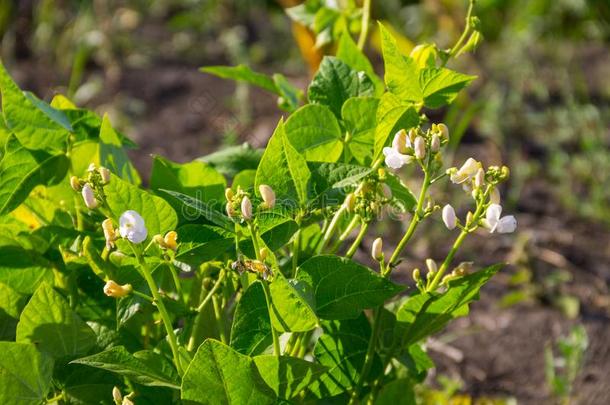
{"x": 176, "y": 279}
{"x": 158, "y": 300}
{"x": 296, "y": 247}
{"x": 196, "y": 325}
{"x": 219, "y": 321}
{"x": 467, "y": 30}
{"x": 366, "y": 17}
{"x": 370, "y": 355}
{"x": 331, "y": 228}
{"x": 215, "y": 288}
{"x": 358, "y": 240}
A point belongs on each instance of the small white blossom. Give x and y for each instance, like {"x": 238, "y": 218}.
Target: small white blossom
{"x": 420, "y": 148}
{"x": 479, "y": 178}
{"x": 468, "y": 170}
{"x": 89, "y": 197}
{"x": 494, "y": 222}
{"x": 401, "y": 142}
{"x": 132, "y": 227}
{"x": 115, "y": 290}
{"x": 449, "y": 217}
{"x": 394, "y": 159}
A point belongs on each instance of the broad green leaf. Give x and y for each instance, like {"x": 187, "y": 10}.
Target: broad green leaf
{"x": 401, "y": 72}
{"x": 402, "y": 197}
{"x": 329, "y": 180}
{"x": 287, "y": 376}
{"x": 220, "y": 375}
{"x": 441, "y": 86}
{"x": 144, "y": 367}
{"x": 360, "y": 119}
{"x": 35, "y": 128}
{"x": 342, "y": 349}
{"x": 396, "y": 392}
{"x": 291, "y": 309}
{"x": 48, "y": 322}
{"x": 104, "y": 269}
{"x": 195, "y": 178}
{"x": 158, "y": 215}
{"x": 285, "y": 170}
{"x": 314, "y": 132}
{"x": 232, "y": 160}
{"x": 276, "y": 229}
{"x": 348, "y": 52}
{"x": 244, "y": 179}
{"x": 21, "y": 170}
{"x": 25, "y": 374}
{"x": 201, "y": 243}
{"x": 392, "y": 115}
{"x": 427, "y": 313}
{"x": 242, "y": 73}
{"x": 343, "y": 288}
{"x": 251, "y": 330}
{"x": 335, "y": 82}
{"x": 85, "y": 386}
{"x": 23, "y": 270}
{"x": 113, "y": 155}
{"x": 195, "y": 210}
{"x": 11, "y": 304}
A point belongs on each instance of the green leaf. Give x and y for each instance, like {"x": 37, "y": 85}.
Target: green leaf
{"x": 335, "y": 82}
{"x": 21, "y": 170}
{"x": 392, "y": 115}
{"x": 201, "y": 243}
{"x": 11, "y": 304}
{"x": 243, "y": 73}
{"x": 49, "y": 323}
{"x": 401, "y": 72}
{"x": 402, "y": 197}
{"x": 251, "y": 330}
{"x": 290, "y": 95}
{"x": 35, "y": 128}
{"x": 287, "y": 376}
{"x": 314, "y": 132}
{"x": 329, "y": 180}
{"x": 305, "y": 12}
{"x": 113, "y": 155}
{"x": 276, "y": 229}
{"x": 343, "y": 288}
{"x": 23, "y": 270}
{"x": 158, "y": 215}
{"x": 360, "y": 119}
{"x": 25, "y": 374}
{"x": 342, "y": 349}
{"x": 441, "y": 86}
{"x": 427, "y": 313}
{"x": 285, "y": 170}
{"x": 244, "y": 179}
{"x": 220, "y": 375}
{"x": 232, "y": 160}
{"x": 348, "y": 52}
{"x": 292, "y": 307}
{"x": 144, "y": 367}
{"x": 196, "y": 209}
{"x": 85, "y": 386}
{"x": 397, "y": 392}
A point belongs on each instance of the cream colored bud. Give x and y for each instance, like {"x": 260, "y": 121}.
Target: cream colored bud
{"x": 171, "y": 240}
{"x": 158, "y": 239}
{"x": 449, "y": 217}
{"x": 495, "y": 196}
{"x": 268, "y": 195}
{"x": 469, "y": 218}
{"x": 412, "y": 136}
{"x": 117, "y": 396}
{"x": 127, "y": 401}
{"x": 350, "y": 202}
{"x": 75, "y": 183}
{"x": 377, "y": 249}
{"x": 504, "y": 173}
{"x": 229, "y": 194}
{"x": 104, "y": 174}
{"x": 246, "y": 208}
{"x": 89, "y": 197}
{"x": 91, "y": 167}
{"x": 262, "y": 253}
{"x": 230, "y": 210}
{"x": 115, "y": 290}
{"x": 416, "y": 275}
{"x": 109, "y": 233}
{"x": 435, "y": 143}
{"x": 400, "y": 141}
{"x": 420, "y": 148}
{"x": 444, "y": 130}
{"x": 463, "y": 268}
{"x": 479, "y": 178}
{"x": 431, "y": 265}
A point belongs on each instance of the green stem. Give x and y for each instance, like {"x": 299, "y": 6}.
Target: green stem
{"x": 198, "y": 318}
{"x": 296, "y": 248}
{"x": 417, "y": 217}
{"x": 331, "y": 228}
{"x": 358, "y": 240}
{"x": 56, "y": 398}
{"x": 142, "y": 295}
{"x": 219, "y": 321}
{"x": 176, "y": 279}
{"x": 366, "y": 17}
{"x": 465, "y": 33}
{"x": 158, "y": 300}
{"x": 215, "y": 288}
{"x": 276, "y": 340}
{"x": 370, "y": 355}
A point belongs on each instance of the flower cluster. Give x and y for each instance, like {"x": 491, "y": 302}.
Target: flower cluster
{"x": 91, "y": 187}
{"x": 414, "y": 145}
{"x": 239, "y": 205}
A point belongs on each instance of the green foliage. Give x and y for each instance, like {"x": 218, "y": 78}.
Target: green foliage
{"x": 25, "y": 373}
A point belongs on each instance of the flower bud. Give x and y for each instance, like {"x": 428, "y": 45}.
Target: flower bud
{"x": 463, "y": 268}
{"x": 431, "y": 265}
{"x": 170, "y": 240}
{"x": 350, "y": 202}
{"x": 105, "y": 175}
{"x": 109, "y": 233}
{"x": 127, "y": 401}
{"x": 89, "y": 197}
{"x": 117, "y": 396}
{"x": 229, "y": 194}
{"x": 91, "y": 167}
{"x": 444, "y": 130}
{"x": 75, "y": 183}
{"x": 377, "y": 249}
{"x": 449, "y": 217}
{"x": 401, "y": 142}
{"x": 469, "y": 218}
{"x": 420, "y": 148}
{"x": 416, "y": 275}
{"x": 158, "y": 239}
{"x": 479, "y": 178}
{"x": 504, "y": 173}
{"x": 268, "y": 196}
{"x": 230, "y": 210}
{"x": 494, "y": 198}
{"x": 262, "y": 253}
{"x": 246, "y": 208}
{"x": 435, "y": 143}
{"x": 115, "y": 290}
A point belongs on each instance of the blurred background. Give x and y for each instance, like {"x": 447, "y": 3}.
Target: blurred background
{"x": 541, "y": 105}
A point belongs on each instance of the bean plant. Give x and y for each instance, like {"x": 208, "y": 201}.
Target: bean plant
{"x": 193, "y": 291}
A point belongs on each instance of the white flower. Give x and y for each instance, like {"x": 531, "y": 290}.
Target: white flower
{"x": 401, "y": 141}
{"x": 420, "y": 148}
{"x": 494, "y": 222}
{"x": 468, "y": 170}
{"x": 394, "y": 159}
{"x": 449, "y": 217}
{"x": 89, "y": 197}
{"x": 132, "y": 227}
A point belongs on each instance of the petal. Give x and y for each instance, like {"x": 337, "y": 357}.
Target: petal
{"x": 508, "y": 224}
